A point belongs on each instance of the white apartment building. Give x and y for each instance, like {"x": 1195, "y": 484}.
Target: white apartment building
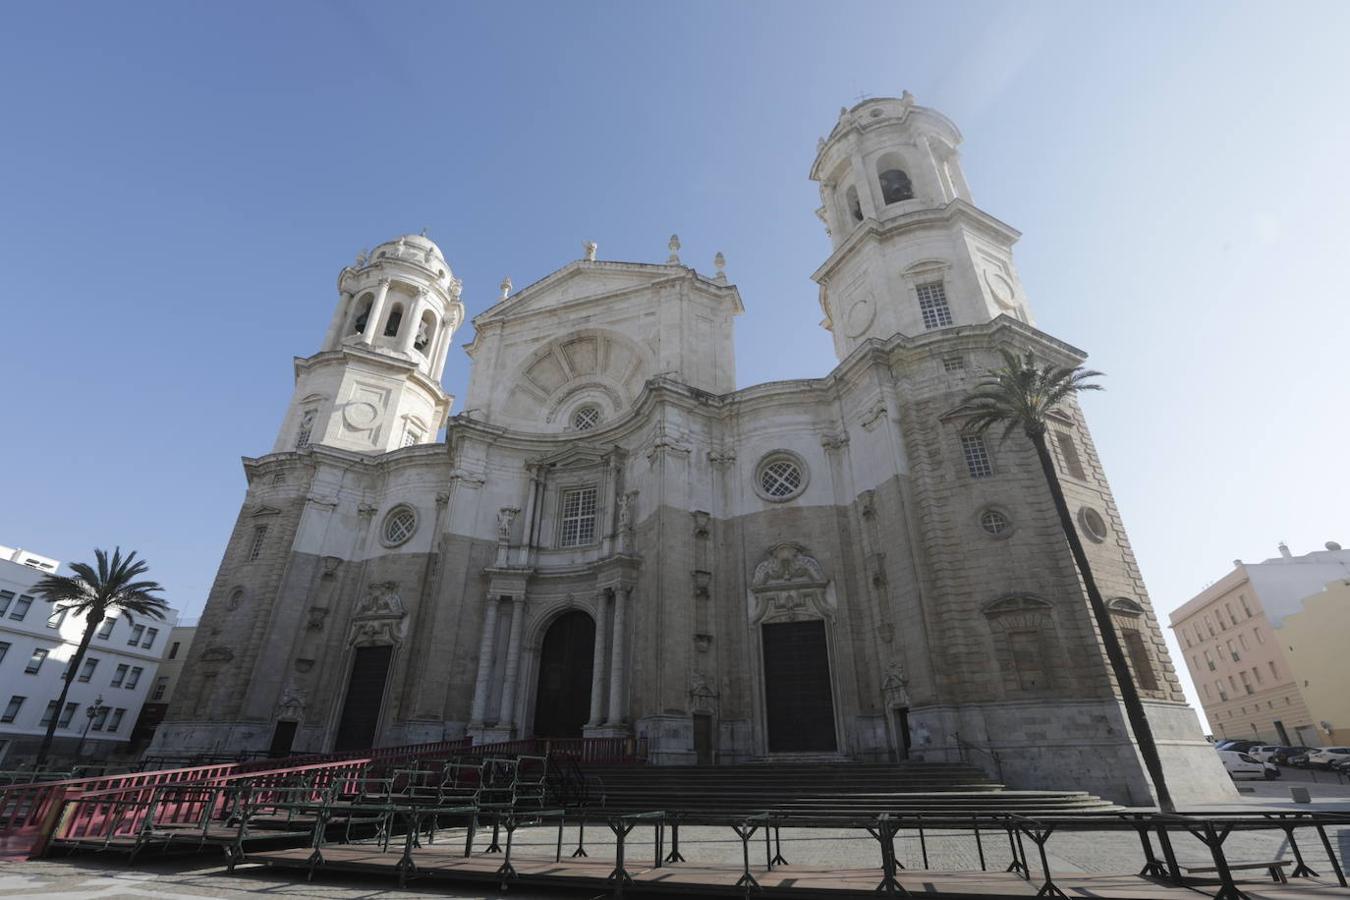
{"x": 36, "y": 646}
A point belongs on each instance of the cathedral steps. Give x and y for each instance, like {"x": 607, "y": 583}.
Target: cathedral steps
{"x": 824, "y": 789}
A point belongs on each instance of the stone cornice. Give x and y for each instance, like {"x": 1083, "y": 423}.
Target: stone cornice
{"x": 392, "y": 363}
{"x": 884, "y": 230}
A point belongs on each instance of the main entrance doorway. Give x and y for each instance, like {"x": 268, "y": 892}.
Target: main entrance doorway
{"x": 365, "y": 693}
{"x": 798, "y": 703}
{"x": 563, "y": 702}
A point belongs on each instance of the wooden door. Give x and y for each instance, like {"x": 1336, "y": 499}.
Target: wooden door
{"x": 703, "y": 742}
{"x": 563, "y": 700}
{"x": 283, "y": 738}
{"x": 365, "y": 694}
{"x": 798, "y": 699}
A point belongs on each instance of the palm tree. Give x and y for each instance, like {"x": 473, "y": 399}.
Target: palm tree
{"x": 1019, "y": 395}
{"x": 96, "y": 593}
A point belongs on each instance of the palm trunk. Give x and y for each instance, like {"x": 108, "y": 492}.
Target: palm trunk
{"x": 71, "y": 672}
{"x": 1129, "y": 695}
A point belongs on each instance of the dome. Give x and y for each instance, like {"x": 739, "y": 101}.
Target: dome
{"x": 409, "y": 246}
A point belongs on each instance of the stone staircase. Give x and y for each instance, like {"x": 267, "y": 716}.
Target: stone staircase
{"x": 865, "y": 789}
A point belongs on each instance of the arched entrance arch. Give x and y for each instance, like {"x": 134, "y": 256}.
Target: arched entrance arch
{"x": 563, "y": 695}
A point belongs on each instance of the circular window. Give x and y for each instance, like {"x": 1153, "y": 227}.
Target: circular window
{"x": 1093, "y": 523}
{"x": 780, "y": 477}
{"x": 995, "y": 523}
{"x": 399, "y": 525}
{"x": 585, "y": 418}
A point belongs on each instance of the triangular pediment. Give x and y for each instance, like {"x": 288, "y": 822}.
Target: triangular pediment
{"x": 575, "y": 456}
{"x": 579, "y": 281}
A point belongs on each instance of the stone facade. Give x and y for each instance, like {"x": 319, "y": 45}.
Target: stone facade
{"x": 819, "y": 568}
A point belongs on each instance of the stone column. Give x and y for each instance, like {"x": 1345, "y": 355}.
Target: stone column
{"x": 598, "y": 684}
{"x": 411, "y": 321}
{"x": 485, "y": 660}
{"x": 334, "y": 335}
{"x": 531, "y": 511}
{"x": 507, "y": 717}
{"x": 376, "y": 312}
{"x": 616, "y": 711}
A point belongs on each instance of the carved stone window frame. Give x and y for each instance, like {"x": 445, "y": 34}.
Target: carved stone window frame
{"x": 395, "y": 511}
{"x": 775, "y": 456}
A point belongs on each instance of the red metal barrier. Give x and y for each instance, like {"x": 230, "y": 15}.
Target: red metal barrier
{"x": 30, "y": 813}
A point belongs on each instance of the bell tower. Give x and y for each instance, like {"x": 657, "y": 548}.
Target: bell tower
{"x": 374, "y": 385}
{"x": 910, "y": 250}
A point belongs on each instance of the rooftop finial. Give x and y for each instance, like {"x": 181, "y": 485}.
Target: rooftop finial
{"x": 423, "y": 232}
{"x": 506, "y": 287}
{"x": 674, "y": 246}
{"x": 720, "y": 264}
{"x": 588, "y": 251}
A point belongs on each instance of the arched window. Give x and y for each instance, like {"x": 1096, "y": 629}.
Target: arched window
{"x": 895, "y": 186}
{"x": 426, "y": 330}
{"x": 854, "y": 204}
{"x": 395, "y": 319}
{"x": 359, "y": 321}
{"x": 586, "y": 418}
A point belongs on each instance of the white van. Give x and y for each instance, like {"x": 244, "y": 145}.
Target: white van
{"x": 1240, "y": 765}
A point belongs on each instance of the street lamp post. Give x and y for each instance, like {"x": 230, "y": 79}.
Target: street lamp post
{"x": 91, "y": 713}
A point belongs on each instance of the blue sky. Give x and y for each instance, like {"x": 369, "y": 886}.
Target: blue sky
{"x": 180, "y": 184}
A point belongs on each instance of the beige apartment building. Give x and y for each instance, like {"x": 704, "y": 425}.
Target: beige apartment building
{"x": 1315, "y": 640}
{"x": 1239, "y": 635}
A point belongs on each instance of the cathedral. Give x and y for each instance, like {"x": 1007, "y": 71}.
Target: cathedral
{"x": 613, "y": 540}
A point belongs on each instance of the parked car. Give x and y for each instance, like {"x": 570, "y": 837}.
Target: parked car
{"x": 1262, "y": 752}
{"x": 1240, "y": 765}
{"x": 1282, "y": 756}
{"x": 1323, "y": 757}
{"x": 1236, "y": 746}
{"x": 1300, "y": 760}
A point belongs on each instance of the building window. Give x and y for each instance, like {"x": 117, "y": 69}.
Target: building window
{"x": 67, "y": 714}
{"x": 49, "y": 714}
{"x": 1259, "y": 638}
{"x": 259, "y": 535}
{"x": 780, "y": 477}
{"x": 106, "y": 628}
{"x": 1242, "y": 639}
{"x": 1209, "y": 661}
{"x": 306, "y": 428}
{"x": 399, "y": 525}
{"x": 1206, "y": 687}
{"x": 895, "y": 187}
{"x": 1232, "y": 651}
{"x": 1259, "y": 678}
{"x": 120, "y": 674}
{"x": 56, "y": 618}
{"x": 1246, "y": 682}
{"x": 6, "y": 597}
{"x": 4, "y": 648}
{"x": 1093, "y": 524}
{"x": 136, "y": 632}
{"x": 412, "y": 437}
{"x": 1242, "y": 598}
{"x": 1223, "y": 695}
{"x": 994, "y": 522}
{"x": 36, "y": 660}
{"x": 173, "y": 650}
{"x": 150, "y": 635}
{"x": 586, "y": 418}
{"x": 87, "y": 670}
{"x": 976, "y": 453}
{"x": 953, "y": 364}
{"x": 12, "y": 709}
{"x": 100, "y": 719}
{"x": 134, "y": 678}
{"x": 578, "y": 517}
{"x": 933, "y": 305}
{"x": 21, "y": 608}
{"x": 1274, "y": 673}
{"x": 1027, "y": 659}
{"x": 116, "y": 718}
{"x": 1073, "y": 465}
{"x": 854, "y": 204}
{"x": 161, "y": 685}
{"x": 1139, "y": 659}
